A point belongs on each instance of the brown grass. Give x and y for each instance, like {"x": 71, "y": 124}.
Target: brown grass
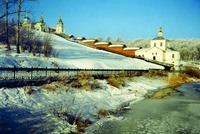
{"x": 156, "y": 73}
{"x": 163, "y": 93}
{"x": 81, "y": 125}
{"x": 117, "y": 81}
{"x": 177, "y": 79}
{"x": 51, "y": 87}
{"x": 103, "y": 113}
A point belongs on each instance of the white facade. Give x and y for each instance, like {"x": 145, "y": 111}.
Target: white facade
{"x": 42, "y": 26}
{"x": 60, "y": 26}
{"x": 159, "y": 50}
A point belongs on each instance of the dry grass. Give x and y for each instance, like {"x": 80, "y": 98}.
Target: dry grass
{"x": 103, "y": 113}
{"x": 117, "y": 81}
{"x": 156, "y": 73}
{"x": 84, "y": 81}
{"x": 163, "y": 93}
{"x": 53, "y": 86}
{"x": 177, "y": 79}
{"x": 81, "y": 125}
{"x": 29, "y": 89}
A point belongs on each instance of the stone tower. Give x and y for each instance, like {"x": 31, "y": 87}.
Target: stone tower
{"x": 60, "y": 26}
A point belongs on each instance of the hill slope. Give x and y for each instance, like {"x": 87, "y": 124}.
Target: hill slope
{"x": 73, "y": 55}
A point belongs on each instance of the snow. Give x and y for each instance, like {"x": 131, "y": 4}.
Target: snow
{"x": 131, "y": 48}
{"x": 73, "y": 55}
{"x": 143, "y": 50}
{"x": 117, "y": 46}
{"x": 88, "y": 41}
{"x": 21, "y": 112}
{"x": 100, "y": 43}
{"x": 19, "y": 107}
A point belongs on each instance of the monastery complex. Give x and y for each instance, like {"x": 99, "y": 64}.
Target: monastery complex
{"x": 159, "y": 50}
{"x": 42, "y": 26}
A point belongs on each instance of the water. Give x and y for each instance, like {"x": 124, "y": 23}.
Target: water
{"x": 176, "y": 114}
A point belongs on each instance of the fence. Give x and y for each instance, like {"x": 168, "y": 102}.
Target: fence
{"x": 39, "y": 73}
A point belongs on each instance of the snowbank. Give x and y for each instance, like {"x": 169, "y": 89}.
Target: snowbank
{"x": 25, "y": 113}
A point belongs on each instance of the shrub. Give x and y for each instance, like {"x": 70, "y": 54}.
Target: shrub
{"x": 192, "y": 72}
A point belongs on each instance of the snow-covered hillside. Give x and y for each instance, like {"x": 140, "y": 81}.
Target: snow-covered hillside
{"x": 73, "y": 55}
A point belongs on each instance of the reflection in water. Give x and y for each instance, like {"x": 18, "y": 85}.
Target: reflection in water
{"x": 178, "y": 114}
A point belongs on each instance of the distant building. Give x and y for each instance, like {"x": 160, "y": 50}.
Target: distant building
{"x": 42, "y": 26}
{"x": 160, "y": 51}
{"x": 60, "y": 26}
{"x": 26, "y": 23}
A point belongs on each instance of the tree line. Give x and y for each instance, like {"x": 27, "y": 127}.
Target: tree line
{"x": 11, "y": 32}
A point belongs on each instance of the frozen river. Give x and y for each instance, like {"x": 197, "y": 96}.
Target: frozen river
{"x": 176, "y": 114}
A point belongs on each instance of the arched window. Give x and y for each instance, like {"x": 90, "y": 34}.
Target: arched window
{"x": 161, "y": 44}
{"x": 154, "y": 44}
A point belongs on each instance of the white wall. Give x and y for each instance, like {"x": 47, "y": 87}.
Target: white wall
{"x": 172, "y": 59}
{"x": 158, "y": 42}
{"x": 155, "y": 52}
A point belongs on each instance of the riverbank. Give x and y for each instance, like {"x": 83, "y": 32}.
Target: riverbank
{"x": 21, "y": 109}
{"x": 176, "y": 113}
{"x": 78, "y": 105}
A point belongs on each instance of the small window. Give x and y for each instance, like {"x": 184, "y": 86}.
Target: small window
{"x": 161, "y": 44}
{"x": 173, "y": 55}
{"x": 152, "y": 53}
{"x": 154, "y": 44}
{"x": 156, "y": 53}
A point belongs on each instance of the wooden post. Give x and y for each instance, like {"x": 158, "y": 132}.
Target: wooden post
{"x": 46, "y": 71}
{"x": 31, "y": 73}
{"x": 14, "y": 72}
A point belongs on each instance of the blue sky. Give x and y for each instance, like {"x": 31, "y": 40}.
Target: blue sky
{"x": 127, "y": 19}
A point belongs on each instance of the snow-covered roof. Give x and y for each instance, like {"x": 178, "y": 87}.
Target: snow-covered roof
{"x": 159, "y": 38}
{"x": 100, "y": 43}
{"x": 131, "y": 48}
{"x": 71, "y": 35}
{"x": 79, "y": 38}
{"x": 89, "y": 41}
{"x": 117, "y": 46}
{"x": 143, "y": 50}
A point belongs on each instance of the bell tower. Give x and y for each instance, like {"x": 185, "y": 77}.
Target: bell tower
{"x": 60, "y": 26}
{"x": 160, "y": 33}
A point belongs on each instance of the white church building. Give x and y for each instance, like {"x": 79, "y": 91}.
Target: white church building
{"x": 42, "y": 26}
{"x": 160, "y": 51}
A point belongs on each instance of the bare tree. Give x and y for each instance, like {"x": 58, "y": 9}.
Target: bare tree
{"x": 7, "y": 32}
{"x": 19, "y": 6}
{"x": 19, "y": 3}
